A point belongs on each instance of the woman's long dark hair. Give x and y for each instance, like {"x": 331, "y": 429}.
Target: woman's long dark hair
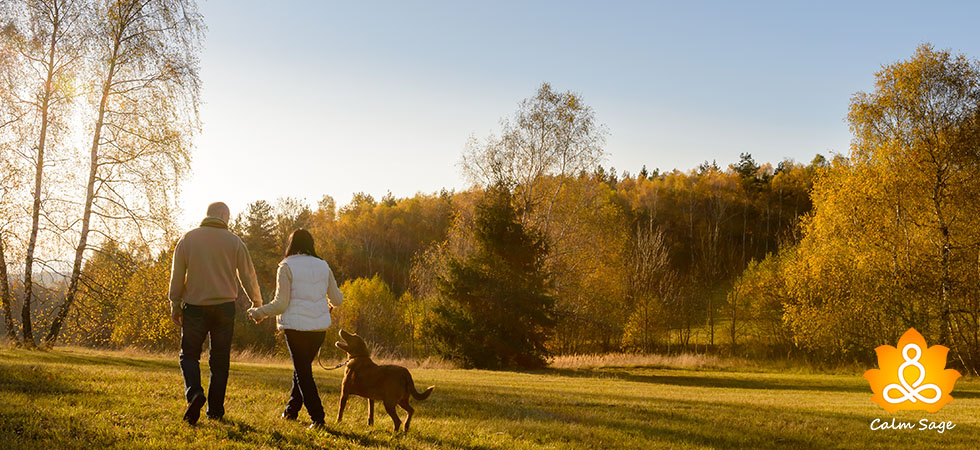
{"x": 300, "y": 243}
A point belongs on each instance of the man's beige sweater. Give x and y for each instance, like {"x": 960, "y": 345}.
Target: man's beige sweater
{"x": 209, "y": 263}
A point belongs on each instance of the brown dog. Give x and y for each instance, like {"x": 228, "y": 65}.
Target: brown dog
{"x": 391, "y": 384}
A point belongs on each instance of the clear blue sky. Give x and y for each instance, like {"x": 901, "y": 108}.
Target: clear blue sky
{"x": 309, "y": 98}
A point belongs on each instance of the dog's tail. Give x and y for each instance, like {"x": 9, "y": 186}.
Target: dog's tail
{"x": 422, "y": 395}
{"x": 415, "y": 393}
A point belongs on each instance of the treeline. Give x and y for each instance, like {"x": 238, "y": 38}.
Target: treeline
{"x": 637, "y": 262}
{"x": 704, "y": 225}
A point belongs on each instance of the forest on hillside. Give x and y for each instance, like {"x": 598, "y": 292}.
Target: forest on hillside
{"x": 638, "y": 262}
{"x": 548, "y": 252}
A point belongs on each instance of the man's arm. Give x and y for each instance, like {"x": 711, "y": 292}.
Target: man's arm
{"x": 178, "y": 275}
{"x": 246, "y": 275}
{"x": 178, "y": 279}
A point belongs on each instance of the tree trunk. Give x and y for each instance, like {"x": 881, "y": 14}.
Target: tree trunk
{"x": 76, "y": 270}
{"x": 734, "y": 305}
{"x": 6, "y": 297}
{"x": 745, "y": 223}
{"x": 945, "y": 337}
{"x": 25, "y": 313}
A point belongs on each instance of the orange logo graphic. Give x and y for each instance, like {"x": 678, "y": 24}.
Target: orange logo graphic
{"x": 912, "y": 375}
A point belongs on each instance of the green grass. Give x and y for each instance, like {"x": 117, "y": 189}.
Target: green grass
{"x": 76, "y": 398}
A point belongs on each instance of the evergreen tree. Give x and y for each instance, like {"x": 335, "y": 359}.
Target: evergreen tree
{"x": 497, "y": 312}
{"x": 257, "y": 228}
{"x": 746, "y": 167}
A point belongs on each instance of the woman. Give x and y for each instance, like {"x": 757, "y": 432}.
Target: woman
{"x": 306, "y": 292}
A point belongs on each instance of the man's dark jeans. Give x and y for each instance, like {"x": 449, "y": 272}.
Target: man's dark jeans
{"x": 198, "y": 322}
{"x": 303, "y": 348}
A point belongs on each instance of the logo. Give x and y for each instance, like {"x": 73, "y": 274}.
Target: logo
{"x": 912, "y": 376}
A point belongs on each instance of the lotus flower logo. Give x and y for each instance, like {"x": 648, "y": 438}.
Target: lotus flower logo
{"x": 912, "y": 375}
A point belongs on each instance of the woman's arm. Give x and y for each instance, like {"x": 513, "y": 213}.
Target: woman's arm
{"x": 284, "y": 279}
{"x": 334, "y": 296}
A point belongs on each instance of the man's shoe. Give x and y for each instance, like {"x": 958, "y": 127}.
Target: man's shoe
{"x": 315, "y": 426}
{"x": 287, "y": 416}
{"x": 193, "y": 412}
{"x": 216, "y": 418}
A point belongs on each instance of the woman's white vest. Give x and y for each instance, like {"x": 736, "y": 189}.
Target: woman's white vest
{"x": 307, "y": 310}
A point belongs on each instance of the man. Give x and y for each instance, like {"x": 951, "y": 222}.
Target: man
{"x": 209, "y": 264}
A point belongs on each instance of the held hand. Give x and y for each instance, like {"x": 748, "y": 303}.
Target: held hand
{"x": 253, "y": 313}
{"x": 176, "y": 315}
{"x": 330, "y": 307}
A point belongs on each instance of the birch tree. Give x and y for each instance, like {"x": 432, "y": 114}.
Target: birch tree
{"x": 893, "y": 240}
{"x": 9, "y": 115}
{"x": 47, "y": 38}
{"x": 8, "y": 177}
{"x": 146, "y": 69}
{"x": 552, "y": 133}
{"x": 919, "y": 129}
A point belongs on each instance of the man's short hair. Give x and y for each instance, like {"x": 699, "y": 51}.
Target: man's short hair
{"x": 219, "y": 210}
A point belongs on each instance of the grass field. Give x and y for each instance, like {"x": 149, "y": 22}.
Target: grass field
{"x": 76, "y": 398}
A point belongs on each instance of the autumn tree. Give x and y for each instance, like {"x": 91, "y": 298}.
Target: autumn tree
{"x": 143, "y": 314}
{"x": 552, "y": 133}
{"x": 919, "y": 127}
{"x": 10, "y": 179}
{"x": 371, "y": 309}
{"x": 541, "y": 154}
{"x": 48, "y": 38}
{"x": 371, "y": 238}
{"x": 144, "y": 115}
{"x": 757, "y": 304}
{"x": 100, "y": 297}
{"x": 893, "y": 241}
{"x": 291, "y": 214}
{"x": 652, "y": 283}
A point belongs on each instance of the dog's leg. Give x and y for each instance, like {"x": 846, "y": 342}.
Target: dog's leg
{"x": 370, "y": 411}
{"x": 407, "y": 407}
{"x": 343, "y": 403}
{"x": 390, "y": 408}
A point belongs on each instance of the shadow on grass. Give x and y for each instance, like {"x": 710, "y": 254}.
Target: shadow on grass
{"x": 723, "y": 381}
{"x": 23, "y": 423}
{"x": 555, "y": 416}
{"x": 70, "y": 357}
{"x": 732, "y": 380}
{"x": 27, "y": 428}
{"x": 326, "y": 438}
{"x": 35, "y": 380}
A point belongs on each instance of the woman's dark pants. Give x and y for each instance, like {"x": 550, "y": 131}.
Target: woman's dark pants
{"x": 303, "y": 348}
{"x": 197, "y": 323}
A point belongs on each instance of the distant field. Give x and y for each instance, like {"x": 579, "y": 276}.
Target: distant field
{"x": 74, "y": 398}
